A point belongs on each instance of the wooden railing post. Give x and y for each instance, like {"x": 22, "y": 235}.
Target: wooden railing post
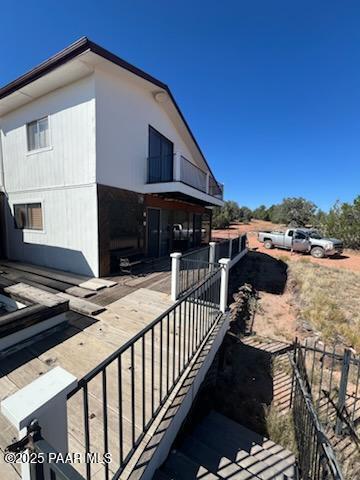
{"x": 175, "y": 275}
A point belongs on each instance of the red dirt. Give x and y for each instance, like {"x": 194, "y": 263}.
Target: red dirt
{"x": 350, "y": 260}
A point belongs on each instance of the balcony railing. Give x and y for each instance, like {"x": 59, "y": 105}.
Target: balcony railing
{"x": 177, "y": 168}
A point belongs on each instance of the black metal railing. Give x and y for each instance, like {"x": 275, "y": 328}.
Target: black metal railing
{"x": 199, "y": 255}
{"x": 243, "y": 242}
{"x": 120, "y": 398}
{"x": 50, "y": 465}
{"x": 316, "y": 456}
{"x": 192, "y": 272}
{"x": 222, "y": 250}
{"x": 235, "y": 247}
{"x": 194, "y": 268}
{"x": 333, "y": 376}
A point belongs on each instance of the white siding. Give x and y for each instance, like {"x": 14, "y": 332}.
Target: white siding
{"x": 69, "y": 239}
{"x": 62, "y": 178}
{"x": 71, "y": 157}
{"x": 124, "y": 111}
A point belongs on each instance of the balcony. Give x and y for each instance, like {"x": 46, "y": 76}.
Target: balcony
{"x": 175, "y": 173}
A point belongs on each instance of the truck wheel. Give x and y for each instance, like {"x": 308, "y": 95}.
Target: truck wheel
{"x": 317, "y": 252}
{"x": 268, "y": 244}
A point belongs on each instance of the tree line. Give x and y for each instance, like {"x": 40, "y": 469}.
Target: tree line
{"x": 342, "y": 221}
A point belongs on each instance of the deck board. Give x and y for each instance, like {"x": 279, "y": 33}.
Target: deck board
{"x": 80, "y": 347}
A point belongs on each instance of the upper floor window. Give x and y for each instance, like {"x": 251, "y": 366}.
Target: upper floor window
{"x": 28, "y": 216}
{"x": 161, "y": 157}
{"x": 38, "y": 134}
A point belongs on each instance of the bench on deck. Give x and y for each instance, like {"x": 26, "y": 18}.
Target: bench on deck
{"x": 126, "y": 260}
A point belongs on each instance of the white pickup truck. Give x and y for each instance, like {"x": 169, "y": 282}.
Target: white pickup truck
{"x": 302, "y": 240}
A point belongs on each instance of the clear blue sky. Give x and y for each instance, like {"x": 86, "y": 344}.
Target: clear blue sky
{"x": 271, "y": 89}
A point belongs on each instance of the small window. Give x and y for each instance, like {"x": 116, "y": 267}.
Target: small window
{"x": 29, "y": 216}
{"x": 38, "y": 134}
{"x": 300, "y": 236}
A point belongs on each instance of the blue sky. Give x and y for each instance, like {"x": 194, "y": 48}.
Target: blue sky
{"x": 271, "y": 89}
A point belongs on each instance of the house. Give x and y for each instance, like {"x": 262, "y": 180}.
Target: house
{"x": 97, "y": 163}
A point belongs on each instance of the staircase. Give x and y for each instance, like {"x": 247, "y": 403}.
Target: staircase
{"x": 220, "y": 448}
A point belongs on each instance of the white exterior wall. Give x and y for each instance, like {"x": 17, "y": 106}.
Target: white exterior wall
{"x": 124, "y": 111}
{"x": 62, "y": 178}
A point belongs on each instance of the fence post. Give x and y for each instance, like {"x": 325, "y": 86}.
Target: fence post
{"x": 230, "y": 247}
{"x": 342, "y": 390}
{"x": 212, "y": 253}
{"x": 224, "y": 285}
{"x": 175, "y": 275}
{"x": 44, "y": 399}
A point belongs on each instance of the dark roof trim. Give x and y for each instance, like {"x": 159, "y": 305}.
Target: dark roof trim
{"x": 81, "y": 46}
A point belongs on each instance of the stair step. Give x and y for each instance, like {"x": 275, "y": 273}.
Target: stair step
{"x": 214, "y": 461}
{"x": 239, "y": 447}
{"x": 180, "y": 467}
{"x": 258, "y": 443}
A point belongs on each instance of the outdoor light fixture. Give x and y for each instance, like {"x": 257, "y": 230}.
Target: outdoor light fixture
{"x": 161, "y": 97}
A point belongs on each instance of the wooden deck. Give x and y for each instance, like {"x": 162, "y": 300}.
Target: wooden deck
{"x": 80, "y": 347}
{"x": 130, "y": 305}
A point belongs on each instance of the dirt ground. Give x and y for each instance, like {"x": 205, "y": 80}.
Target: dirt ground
{"x": 350, "y": 259}
{"x": 275, "y": 317}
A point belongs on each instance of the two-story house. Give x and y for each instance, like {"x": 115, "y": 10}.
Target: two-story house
{"x": 97, "y": 162}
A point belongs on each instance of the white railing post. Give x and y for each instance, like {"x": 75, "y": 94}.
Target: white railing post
{"x": 44, "y": 400}
{"x": 177, "y": 166}
{"x": 175, "y": 275}
{"x": 212, "y": 250}
{"x": 224, "y": 284}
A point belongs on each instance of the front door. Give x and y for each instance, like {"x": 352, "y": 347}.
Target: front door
{"x": 153, "y": 221}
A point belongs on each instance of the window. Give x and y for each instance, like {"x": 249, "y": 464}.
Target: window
{"x": 29, "y": 216}
{"x": 38, "y": 134}
{"x": 300, "y": 236}
{"x": 161, "y": 157}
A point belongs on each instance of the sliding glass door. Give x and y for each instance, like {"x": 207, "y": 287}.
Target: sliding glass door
{"x": 161, "y": 158}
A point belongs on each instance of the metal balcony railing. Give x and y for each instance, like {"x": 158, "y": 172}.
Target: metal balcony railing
{"x": 177, "y": 168}
{"x": 193, "y": 175}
